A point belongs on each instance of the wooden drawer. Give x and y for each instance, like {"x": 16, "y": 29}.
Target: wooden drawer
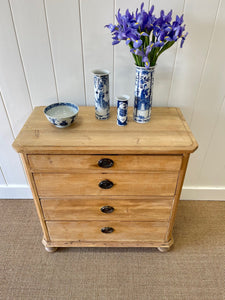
{"x": 60, "y": 163}
{"x": 91, "y": 231}
{"x": 126, "y": 210}
{"x": 60, "y": 185}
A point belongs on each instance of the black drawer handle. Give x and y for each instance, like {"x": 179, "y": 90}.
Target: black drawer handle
{"x": 105, "y": 163}
{"x": 107, "y": 209}
{"x": 107, "y": 230}
{"x": 105, "y": 184}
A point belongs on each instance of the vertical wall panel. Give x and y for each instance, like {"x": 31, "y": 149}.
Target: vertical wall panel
{"x": 210, "y": 97}
{"x": 166, "y": 61}
{"x": 2, "y": 179}
{"x": 9, "y": 159}
{"x": 213, "y": 168}
{"x": 64, "y": 28}
{"x": 124, "y": 70}
{"x": 31, "y": 29}
{"x": 191, "y": 58}
{"x": 12, "y": 81}
{"x": 97, "y": 48}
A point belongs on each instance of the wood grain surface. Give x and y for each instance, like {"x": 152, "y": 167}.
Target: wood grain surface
{"x": 166, "y": 133}
{"x": 56, "y": 185}
{"x": 157, "y": 209}
{"x": 84, "y": 163}
{"x": 91, "y": 231}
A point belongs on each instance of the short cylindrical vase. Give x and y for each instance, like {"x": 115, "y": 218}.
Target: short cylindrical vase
{"x": 101, "y": 90}
{"x": 143, "y": 94}
{"x": 122, "y": 107}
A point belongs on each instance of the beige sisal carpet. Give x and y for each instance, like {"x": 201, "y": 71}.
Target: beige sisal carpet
{"x": 193, "y": 269}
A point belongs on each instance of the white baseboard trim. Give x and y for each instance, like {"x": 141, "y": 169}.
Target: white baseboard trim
{"x": 188, "y": 193}
{"x": 203, "y": 193}
{"x": 15, "y": 192}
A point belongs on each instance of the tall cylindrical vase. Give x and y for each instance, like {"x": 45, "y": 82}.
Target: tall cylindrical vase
{"x": 143, "y": 94}
{"x": 101, "y": 89}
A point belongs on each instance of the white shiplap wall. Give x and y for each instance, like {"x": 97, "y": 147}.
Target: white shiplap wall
{"x": 48, "y": 49}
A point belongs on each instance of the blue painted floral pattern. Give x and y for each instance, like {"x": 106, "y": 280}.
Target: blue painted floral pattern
{"x": 143, "y": 94}
{"x": 101, "y": 89}
{"x": 63, "y": 121}
{"x": 122, "y": 107}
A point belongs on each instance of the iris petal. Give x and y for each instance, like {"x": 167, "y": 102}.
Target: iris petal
{"x": 137, "y": 43}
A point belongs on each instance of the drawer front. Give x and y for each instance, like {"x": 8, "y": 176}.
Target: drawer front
{"x": 92, "y": 231}
{"x": 59, "y": 163}
{"x": 60, "y": 185}
{"x": 112, "y": 209}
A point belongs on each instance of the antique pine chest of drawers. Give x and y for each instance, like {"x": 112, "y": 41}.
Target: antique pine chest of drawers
{"x": 96, "y": 184}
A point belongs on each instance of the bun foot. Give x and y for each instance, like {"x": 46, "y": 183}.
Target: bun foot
{"x": 50, "y": 249}
{"x": 166, "y": 246}
{"x": 164, "y": 249}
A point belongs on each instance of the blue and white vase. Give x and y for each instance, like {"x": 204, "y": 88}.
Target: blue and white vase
{"x": 143, "y": 94}
{"x": 101, "y": 89}
{"x": 122, "y": 107}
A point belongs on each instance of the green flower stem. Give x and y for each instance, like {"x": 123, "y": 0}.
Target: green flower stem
{"x": 139, "y": 60}
{"x": 154, "y": 54}
{"x": 165, "y": 47}
{"x": 146, "y": 41}
{"x": 134, "y": 56}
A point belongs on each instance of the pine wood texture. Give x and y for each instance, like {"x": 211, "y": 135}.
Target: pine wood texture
{"x": 84, "y": 163}
{"x": 166, "y": 133}
{"x": 177, "y": 194}
{"x": 55, "y": 185}
{"x": 35, "y": 196}
{"x": 157, "y": 209}
{"x": 91, "y": 231}
{"x": 149, "y": 165}
{"x": 78, "y": 243}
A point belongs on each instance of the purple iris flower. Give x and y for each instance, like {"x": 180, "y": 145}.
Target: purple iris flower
{"x": 137, "y": 43}
{"x": 147, "y": 36}
{"x": 144, "y": 56}
{"x": 158, "y": 44}
{"x": 115, "y": 42}
{"x": 180, "y": 20}
{"x": 139, "y": 52}
{"x": 146, "y": 61}
{"x": 111, "y": 27}
{"x": 183, "y": 39}
{"x": 149, "y": 48}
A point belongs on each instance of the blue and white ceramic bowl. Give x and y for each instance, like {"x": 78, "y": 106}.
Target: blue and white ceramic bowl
{"x": 61, "y": 114}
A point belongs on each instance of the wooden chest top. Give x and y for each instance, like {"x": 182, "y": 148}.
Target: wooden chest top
{"x": 166, "y": 133}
